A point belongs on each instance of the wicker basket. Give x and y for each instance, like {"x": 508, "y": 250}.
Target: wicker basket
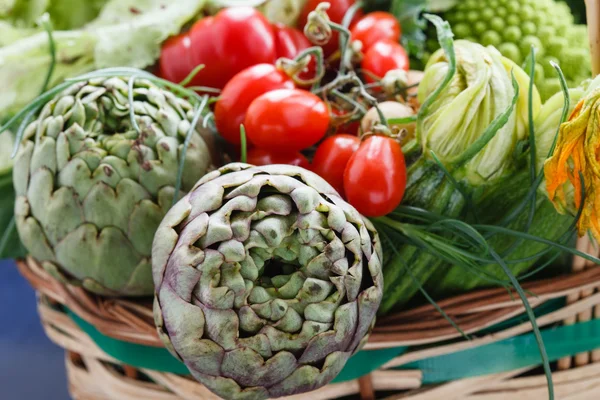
{"x": 94, "y": 374}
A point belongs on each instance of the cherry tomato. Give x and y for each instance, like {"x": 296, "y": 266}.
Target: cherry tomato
{"x": 240, "y": 92}
{"x": 351, "y": 127}
{"x": 232, "y": 40}
{"x": 289, "y": 42}
{"x": 258, "y": 156}
{"x": 374, "y": 27}
{"x": 382, "y": 57}
{"x": 286, "y": 120}
{"x": 331, "y": 158}
{"x": 336, "y": 12}
{"x": 175, "y": 61}
{"x": 375, "y": 177}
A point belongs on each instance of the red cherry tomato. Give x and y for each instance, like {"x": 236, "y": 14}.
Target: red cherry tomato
{"x": 331, "y": 158}
{"x": 374, "y": 27}
{"x": 258, "y": 156}
{"x": 286, "y": 120}
{"x": 289, "y": 42}
{"x": 351, "y": 127}
{"x": 175, "y": 61}
{"x": 232, "y": 40}
{"x": 382, "y": 57}
{"x": 240, "y": 92}
{"x": 375, "y": 177}
{"x": 336, "y": 12}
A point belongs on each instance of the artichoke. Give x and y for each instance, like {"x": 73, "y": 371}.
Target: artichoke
{"x": 92, "y": 189}
{"x": 266, "y": 281}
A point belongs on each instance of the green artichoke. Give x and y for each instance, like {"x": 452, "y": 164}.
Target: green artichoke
{"x": 92, "y": 189}
{"x": 266, "y": 281}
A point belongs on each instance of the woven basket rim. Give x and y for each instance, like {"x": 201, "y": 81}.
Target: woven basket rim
{"x": 131, "y": 320}
{"x": 98, "y": 365}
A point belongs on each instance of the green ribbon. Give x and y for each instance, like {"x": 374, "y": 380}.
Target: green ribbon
{"x": 135, "y": 355}
{"x": 509, "y": 354}
{"x": 159, "y": 358}
{"x": 506, "y": 355}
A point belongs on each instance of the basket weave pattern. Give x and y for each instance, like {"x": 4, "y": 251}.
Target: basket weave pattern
{"x": 93, "y": 374}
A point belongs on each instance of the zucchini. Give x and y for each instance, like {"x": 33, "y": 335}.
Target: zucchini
{"x": 428, "y": 188}
{"x": 499, "y": 202}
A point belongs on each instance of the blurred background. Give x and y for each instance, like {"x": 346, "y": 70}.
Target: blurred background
{"x": 31, "y": 367}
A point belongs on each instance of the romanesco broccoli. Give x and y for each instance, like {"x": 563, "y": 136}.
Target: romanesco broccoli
{"x": 513, "y": 26}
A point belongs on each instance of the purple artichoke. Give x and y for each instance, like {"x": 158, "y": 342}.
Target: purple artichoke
{"x": 266, "y": 281}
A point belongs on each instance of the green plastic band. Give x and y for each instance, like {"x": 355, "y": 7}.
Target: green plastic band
{"x": 506, "y": 355}
{"x": 135, "y": 355}
{"x": 159, "y": 358}
{"x": 510, "y": 354}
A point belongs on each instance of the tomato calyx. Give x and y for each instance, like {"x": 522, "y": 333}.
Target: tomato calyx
{"x": 319, "y": 27}
{"x": 398, "y": 135}
{"x": 319, "y": 30}
{"x": 300, "y": 64}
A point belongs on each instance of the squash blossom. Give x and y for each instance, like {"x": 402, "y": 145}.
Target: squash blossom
{"x": 577, "y": 153}
{"x": 480, "y": 90}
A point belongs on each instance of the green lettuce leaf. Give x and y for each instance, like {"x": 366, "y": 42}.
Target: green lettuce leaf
{"x": 24, "y": 65}
{"x": 126, "y": 33}
{"x": 283, "y": 11}
{"x": 10, "y": 34}
{"x": 73, "y": 14}
{"x": 65, "y": 14}
{"x": 130, "y": 32}
{"x": 22, "y": 13}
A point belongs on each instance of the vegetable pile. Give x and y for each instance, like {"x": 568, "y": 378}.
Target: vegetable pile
{"x": 263, "y": 181}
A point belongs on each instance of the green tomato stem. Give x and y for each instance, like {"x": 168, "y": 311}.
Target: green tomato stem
{"x": 244, "y": 145}
{"x": 361, "y": 109}
{"x": 191, "y": 75}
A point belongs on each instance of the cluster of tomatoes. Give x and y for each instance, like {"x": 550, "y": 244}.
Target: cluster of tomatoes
{"x": 282, "y": 118}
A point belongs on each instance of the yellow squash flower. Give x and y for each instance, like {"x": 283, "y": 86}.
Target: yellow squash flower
{"x": 577, "y": 153}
